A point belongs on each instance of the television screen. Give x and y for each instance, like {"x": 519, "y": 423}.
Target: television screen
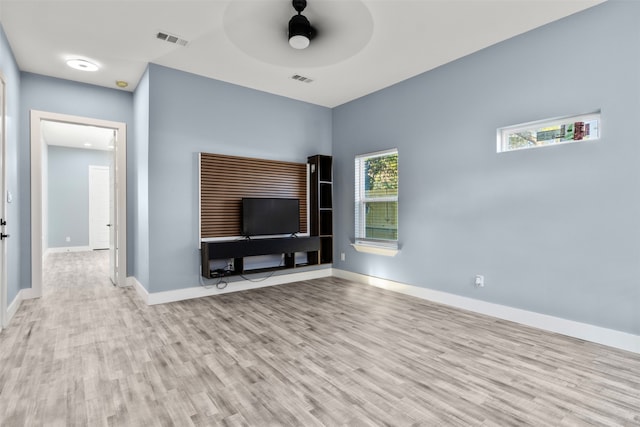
{"x": 262, "y": 216}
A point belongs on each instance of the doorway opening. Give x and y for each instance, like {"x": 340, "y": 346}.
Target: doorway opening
{"x": 90, "y": 156}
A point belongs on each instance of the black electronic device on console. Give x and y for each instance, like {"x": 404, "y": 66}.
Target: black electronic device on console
{"x": 270, "y": 216}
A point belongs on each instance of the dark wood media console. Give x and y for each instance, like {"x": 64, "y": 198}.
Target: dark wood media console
{"x": 238, "y": 249}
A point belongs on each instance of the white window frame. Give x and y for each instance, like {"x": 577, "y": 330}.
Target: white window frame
{"x": 504, "y": 132}
{"x": 363, "y": 244}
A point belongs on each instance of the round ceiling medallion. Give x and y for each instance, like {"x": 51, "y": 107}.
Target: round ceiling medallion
{"x": 259, "y": 29}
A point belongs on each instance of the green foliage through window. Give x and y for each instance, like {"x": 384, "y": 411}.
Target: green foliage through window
{"x": 382, "y": 176}
{"x": 377, "y": 196}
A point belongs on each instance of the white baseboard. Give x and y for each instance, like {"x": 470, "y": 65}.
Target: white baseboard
{"x": 132, "y": 281}
{"x": 15, "y": 305}
{"x": 66, "y": 249}
{"x": 29, "y": 293}
{"x": 200, "y": 291}
{"x": 584, "y": 331}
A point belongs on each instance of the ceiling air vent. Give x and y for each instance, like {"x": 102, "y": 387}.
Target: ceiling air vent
{"x": 301, "y": 78}
{"x": 170, "y": 38}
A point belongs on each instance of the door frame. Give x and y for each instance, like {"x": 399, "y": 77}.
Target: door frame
{"x": 3, "y": 197}
{"x": 120, "y": 160}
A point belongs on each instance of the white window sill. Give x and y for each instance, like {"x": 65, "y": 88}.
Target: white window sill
{"x": 376, "y": 248}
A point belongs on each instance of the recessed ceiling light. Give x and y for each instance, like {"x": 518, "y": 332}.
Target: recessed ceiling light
{"x": 82, "y": 65}
{"x": 121, "y": 83}
{"x": 86, "y": 144}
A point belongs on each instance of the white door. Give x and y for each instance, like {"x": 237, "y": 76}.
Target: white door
{"x": 3, "y": 216}
{"x": 99, "y": 208}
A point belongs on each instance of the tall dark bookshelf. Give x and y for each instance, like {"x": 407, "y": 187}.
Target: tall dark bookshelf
{"x": 321, "y": 206}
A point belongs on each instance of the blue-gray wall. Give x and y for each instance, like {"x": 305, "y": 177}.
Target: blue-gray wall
{"x": 190, "y": 114}
{"x": 554, "y": 230}
{"x": 15, "y": 245}
{"x": 138, "y": 176}
{"x": 64, "y": 97}
{"x": 68, "y": 183}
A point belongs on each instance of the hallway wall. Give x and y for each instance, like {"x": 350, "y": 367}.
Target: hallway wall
{"x": 68, "y": 179}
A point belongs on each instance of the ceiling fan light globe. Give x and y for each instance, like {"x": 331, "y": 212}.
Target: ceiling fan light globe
{"x": 299, "y": 42}
{"x": 299, "y": 32}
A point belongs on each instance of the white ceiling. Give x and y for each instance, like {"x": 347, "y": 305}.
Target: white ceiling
{"x": 362, "y": 45}
{"x": 76, "y": 136}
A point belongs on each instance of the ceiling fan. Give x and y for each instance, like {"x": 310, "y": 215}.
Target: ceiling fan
{"x": 300, "y": 30}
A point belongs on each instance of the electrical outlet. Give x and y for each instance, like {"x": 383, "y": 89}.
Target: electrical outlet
{"x": 342, "y": 256}
{"x": 479, "y": 281}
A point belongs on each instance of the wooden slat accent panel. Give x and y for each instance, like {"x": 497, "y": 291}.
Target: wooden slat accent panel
{"x": 225, "y": 180}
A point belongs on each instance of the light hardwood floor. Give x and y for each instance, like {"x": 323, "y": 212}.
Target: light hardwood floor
{"x": 320, "y": 352}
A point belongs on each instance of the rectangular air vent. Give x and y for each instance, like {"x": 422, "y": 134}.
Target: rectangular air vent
{"x": 170, "y": 38}
{"x": 301, "y": 78}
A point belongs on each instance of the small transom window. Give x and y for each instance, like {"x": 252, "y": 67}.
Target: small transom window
{"x": 543, "y": 133}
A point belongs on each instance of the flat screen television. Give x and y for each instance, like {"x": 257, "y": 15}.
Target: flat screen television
{"x": 264, "y": 216}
